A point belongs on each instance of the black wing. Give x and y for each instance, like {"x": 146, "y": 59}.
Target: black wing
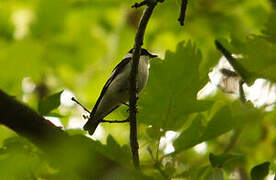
{"x": 119, "y": 68}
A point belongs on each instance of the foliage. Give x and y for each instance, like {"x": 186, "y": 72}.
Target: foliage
{"x": 54, "y": 45}
{"x": 46, "y": 105}
{"x": 260, "y": 171}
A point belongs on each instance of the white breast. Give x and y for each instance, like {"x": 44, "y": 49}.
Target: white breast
{"x": 117, "y": 91}
{"x": 143, "y": 73}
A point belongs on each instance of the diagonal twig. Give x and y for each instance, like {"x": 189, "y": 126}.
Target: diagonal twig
{"x": 114, "y": 121}
{"x": 182, "y": 12}
{"x": 157, "y": 164}
{"x": 239, "y": 69}
{"x": 137, "y": 5}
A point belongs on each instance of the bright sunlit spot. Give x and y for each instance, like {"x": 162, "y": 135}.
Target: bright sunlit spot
{"x": 65, "y": 98}
{"x": 234, "y": 175}
{"x": 262, "y": 92}
{"x": 78, "y": 123}
{"x": 167, "y": 140}
{"x": 208, "y": 90}
{"x": 270, "y": 177}
{"x": 56, "y": 121}
{"x": 21, "y": 20}
{"x": 75, "y": 123}
{"x": 201, "y": 148}
{"x": 28, "y": 85}
{"x": 98, "y": 134}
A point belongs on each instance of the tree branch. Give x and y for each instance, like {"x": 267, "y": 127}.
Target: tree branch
{"x": 239, "y": 69}
{"x": 133, "y": 79}
{"x": 114, "y": 121}
{"x": 182, "y": 12}
{"x": 157, "y": 164}
{"x": 136, "y": 5}
{"x": 56, "y": 143}
{"x": 241, "y": 91}
{"x": 233, "y": 140}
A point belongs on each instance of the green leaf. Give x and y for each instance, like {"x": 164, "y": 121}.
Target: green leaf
{"x": 199, "y": 172}
{"x": 260, "y": 171}
{"x": 244, "y": 113}
{"x": 269, "y": 31}
{"x": 220, "y": 160}
{"x": 191, "y": 136}
{"x": 22, "y": 57}
{"x": 221, "y": 123}
{"x": 49, "y": 24}
{"x": 171, "y": 94}
{"x": 246, "y": 76}
{"x": 75, "y": 131}
{"x": 46, "y": 105}
{"x": 114, "y": 151}
{"x": 224, "y": 119}
{"x": 259, "y": 57}
{"x": 214, "y": 174}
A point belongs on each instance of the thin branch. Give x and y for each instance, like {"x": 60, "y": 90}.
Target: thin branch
{"x": 182, "y": 12}
{"x": 133, "y": 79}
{"x": 150, "y": 152}
{"x": 103, "y": 120}
{"x": 157, "y": 164}
{"x": 233, "y": 140}
{"x": 243, "y": 174}
{"x": 114, "y": 121}
{"x": 228, "y": 73}
{"x": 239, "y": 69}
{"x": 137, "y": 5}
{"x": 237, "y": 132}
{"x": 146, "y": 2}
{"x": 84, "y": 108}
{"x": 242, "y": 95}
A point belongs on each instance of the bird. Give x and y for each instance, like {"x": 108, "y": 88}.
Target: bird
{"x": 115, "y": 91}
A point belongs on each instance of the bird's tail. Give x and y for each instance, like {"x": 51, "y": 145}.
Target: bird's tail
{"x": 91, "y": 125}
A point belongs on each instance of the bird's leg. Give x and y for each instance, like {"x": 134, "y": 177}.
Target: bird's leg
{"x": 129, "y": 106}
{"x": 76, "y": 101}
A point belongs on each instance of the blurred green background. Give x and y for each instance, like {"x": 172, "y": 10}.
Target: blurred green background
{"x": 73, "y": 45}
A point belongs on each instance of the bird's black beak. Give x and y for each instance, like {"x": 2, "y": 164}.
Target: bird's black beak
{"x": 153, "y": 56}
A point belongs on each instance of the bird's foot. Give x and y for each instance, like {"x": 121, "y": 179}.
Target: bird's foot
{"x": 136, "y": 110}
{"x": 85, "y": 116}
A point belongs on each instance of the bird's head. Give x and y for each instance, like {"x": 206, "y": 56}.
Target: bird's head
{"x": 144, "y": 52}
